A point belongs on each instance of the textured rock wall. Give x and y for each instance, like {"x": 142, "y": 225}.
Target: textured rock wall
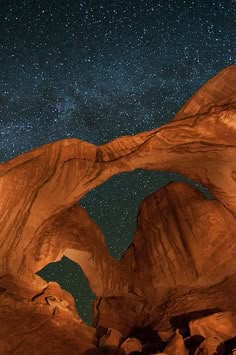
{"x": 45, "y": 182}
{"x": 183, "y": 256}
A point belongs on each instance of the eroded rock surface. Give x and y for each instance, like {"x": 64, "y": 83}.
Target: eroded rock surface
{"x": 182, "y": 235}
{"x": 221, "y": 325}
{"x": 210, "y": 346}
{"x": 188, "y": 242}
{"x": 45, "y": 324}
{"x": 130, "y": 345}
{"x": 112, "y": 338}
{"x": 176, "y": 345}
{"x": 183, "y": 256}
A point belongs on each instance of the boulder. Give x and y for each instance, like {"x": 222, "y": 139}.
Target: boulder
{"x": 166, "y": 334}
{"x": 130, "y": 345}
{"x": 176, "y": 345}
{"x": 112, "y": 338}
{"x": 210, "y": 346}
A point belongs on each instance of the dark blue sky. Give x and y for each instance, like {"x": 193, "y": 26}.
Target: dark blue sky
{"x": 96, "y": 70}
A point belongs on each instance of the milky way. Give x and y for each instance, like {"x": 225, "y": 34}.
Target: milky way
{"x": 96, "y": 70}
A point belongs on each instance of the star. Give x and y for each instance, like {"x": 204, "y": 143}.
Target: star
{"x": 99, "y": 70}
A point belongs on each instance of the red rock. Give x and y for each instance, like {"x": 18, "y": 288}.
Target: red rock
{"x": 112, "y": 338}
{"x": 176, "y": 345}
{"x": 210, "y": 346}
{"x": 200, "y": 147}
{"x": 130, "y": 345}
{"x": 166, "y": 334}
{"x": 180, "y": 238}
{"x": 28, "y": 327}
{"x": 183, "y": 255}
{"x": 183, "y": 236}
{"x": 221, "y": 325}
{"x": 212, "y": 96}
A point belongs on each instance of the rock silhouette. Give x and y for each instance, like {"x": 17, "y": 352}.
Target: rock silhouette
{"x": 183, "y": 256}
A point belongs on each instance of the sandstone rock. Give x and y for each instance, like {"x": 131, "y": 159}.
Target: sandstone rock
{"x": 166, "y": 334}
{"x": 177, "y": 231}
{"x": 123, "y": 313}
{"x": 212, "y": 96}
{"x": 130, "y": 345}
{"x": 28, "y": 327}
{"x": 112, "y": 338}
{"x": 176, "y": 345}
{"x": 172, "y": 266}
{"x": 221, "y": 325}
{"x": 40, "y": 174}
{"x": 210, "y": 346}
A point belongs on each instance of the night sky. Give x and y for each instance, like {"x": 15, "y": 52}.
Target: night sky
{"x": 96, "y": 70}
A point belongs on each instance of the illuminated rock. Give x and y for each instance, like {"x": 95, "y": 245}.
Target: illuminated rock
{"x": 183, "y": 255}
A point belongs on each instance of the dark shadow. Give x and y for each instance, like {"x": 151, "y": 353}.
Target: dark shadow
{"x": 112, "y": 351}
{"x": 149, "y": 349}
{"x": 100, "y": 332}
{"x": 109, "y": 350}
{"x": 149, "y": 338}
{"x": 193, "y": 342}
{"x": 230, "y": 345}
{"x": 181, "y": 321}
{"x": 221, "y": 349}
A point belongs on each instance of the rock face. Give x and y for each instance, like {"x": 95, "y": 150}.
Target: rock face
{"x": 176, "y": 346}
{"x": 210, "y": 346}
{"x": 183, "y": 257}
{"x": 112, "y": 338}
{"x": 183, "y": 237}
{"x": 222, "y": 325}
{"x": 43, "y": 324}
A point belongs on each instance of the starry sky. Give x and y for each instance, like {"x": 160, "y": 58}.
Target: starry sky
{"x": 99, "y": 69}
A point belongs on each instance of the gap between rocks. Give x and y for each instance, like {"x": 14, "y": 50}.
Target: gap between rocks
{"x": 103, "y": 205}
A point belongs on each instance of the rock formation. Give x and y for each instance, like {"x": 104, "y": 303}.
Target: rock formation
{"x": 181, "y": 265}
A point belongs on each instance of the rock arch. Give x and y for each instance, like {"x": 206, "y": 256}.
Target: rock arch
{"x": 40, "y": 220}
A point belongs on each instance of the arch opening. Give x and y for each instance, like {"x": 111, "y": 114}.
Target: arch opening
{"x": 114, "y": 207}
{"x": 71, "y": 278}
